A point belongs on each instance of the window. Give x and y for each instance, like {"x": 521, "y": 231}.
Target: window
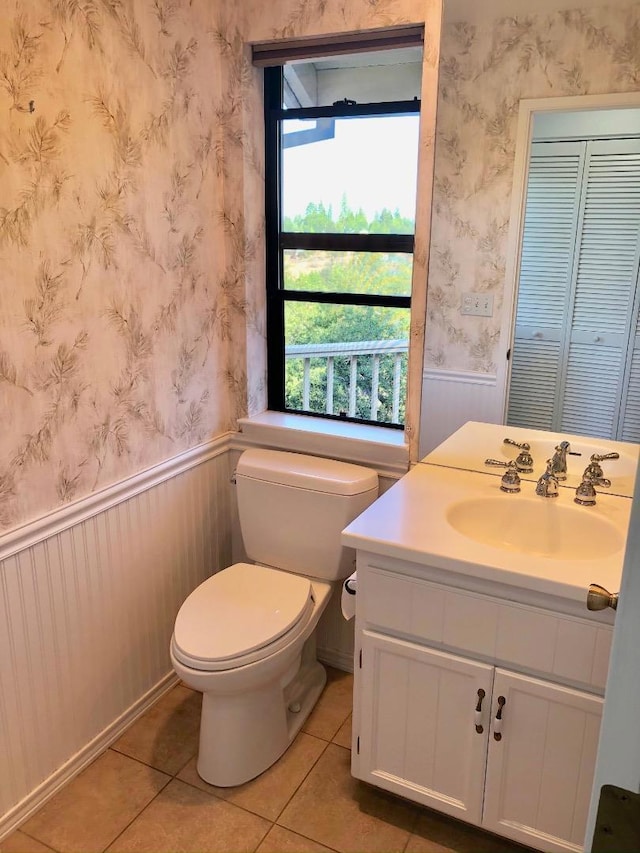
{"x": 340, "y": 201}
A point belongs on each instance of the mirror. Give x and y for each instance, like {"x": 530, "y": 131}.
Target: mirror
{"x": 496, "y": 57}
{"x": 575, "y": 363}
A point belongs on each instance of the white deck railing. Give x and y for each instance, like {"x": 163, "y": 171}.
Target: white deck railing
{"x": 352, "y": 351}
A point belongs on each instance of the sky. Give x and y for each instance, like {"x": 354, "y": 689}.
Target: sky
{"x": 373, "y": 161}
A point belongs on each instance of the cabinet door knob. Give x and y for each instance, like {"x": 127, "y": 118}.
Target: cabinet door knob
{"x": 478, "y": 713}
{"x": 599, "y": 598}
{"x": 497, "y": 723}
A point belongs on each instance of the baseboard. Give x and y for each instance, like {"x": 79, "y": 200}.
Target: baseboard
{"x": 336, "y": 659}
{"x": 39, "y": 796}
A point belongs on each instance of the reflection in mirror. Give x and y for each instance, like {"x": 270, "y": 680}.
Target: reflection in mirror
{"x": 576, "y": 346}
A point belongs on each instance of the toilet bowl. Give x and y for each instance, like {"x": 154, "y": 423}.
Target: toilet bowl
{"x": 245, "y": 637}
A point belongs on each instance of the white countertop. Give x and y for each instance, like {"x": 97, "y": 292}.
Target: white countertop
{"x": 410, "y": 522}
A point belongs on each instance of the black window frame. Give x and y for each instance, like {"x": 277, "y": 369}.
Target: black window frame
{"x": 277, "y": 240}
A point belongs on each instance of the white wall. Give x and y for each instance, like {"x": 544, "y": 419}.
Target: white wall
{"x": 371, "y": 83}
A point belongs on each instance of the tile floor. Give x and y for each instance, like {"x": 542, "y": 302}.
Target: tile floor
{"x": 143, "y": 794}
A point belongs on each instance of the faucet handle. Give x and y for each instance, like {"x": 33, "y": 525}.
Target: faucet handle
{"x": 586, "y": 492}
{"x": 524, "y": 461}
{"x": 594, "y": 468}
{"x": 593, "y": 471}
{"x": 523, "y": 445}
{"x": 600, "y": 457}
{"x": 510, "y": 479}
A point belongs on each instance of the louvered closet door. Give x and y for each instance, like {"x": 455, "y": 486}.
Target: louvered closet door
{"x": 546, "y": 271}
{"x": 604, "y": 314}
{"x": 629, "y": 421}
{"x": 631, "y": 412}
{"x": 576, "y": 366}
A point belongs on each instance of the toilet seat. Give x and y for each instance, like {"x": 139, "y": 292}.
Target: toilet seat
{"x": 241, "y": 615}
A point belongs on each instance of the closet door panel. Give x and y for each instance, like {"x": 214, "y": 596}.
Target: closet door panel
{"x": 535, "y": 373}
{"x": 576, "y": 354}
{"x": 592, "y": 389}
{"x": 631, "y": 421}
{"x": 546, "y": 269}
{"x": 607, "y": 252}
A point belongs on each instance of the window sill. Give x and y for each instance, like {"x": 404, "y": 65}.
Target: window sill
{"x": 378, "y": 447}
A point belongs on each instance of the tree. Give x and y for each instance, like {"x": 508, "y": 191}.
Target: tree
{"x": 314, "y": 323}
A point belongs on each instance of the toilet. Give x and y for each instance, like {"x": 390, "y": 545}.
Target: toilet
{"x": 245, "y": 637}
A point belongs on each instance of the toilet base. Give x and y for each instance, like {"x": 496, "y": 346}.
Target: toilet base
{"x": 242, "y": 734}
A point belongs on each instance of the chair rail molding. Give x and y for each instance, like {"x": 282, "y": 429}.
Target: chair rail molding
{"x": 93, "y": 504}
{"x": 469, "y": 377}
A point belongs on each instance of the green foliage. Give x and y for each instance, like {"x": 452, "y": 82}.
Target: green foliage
{"x": 316, "y": 323}
{"x": 387, "y": 274}
{"x": 318, "y": 219}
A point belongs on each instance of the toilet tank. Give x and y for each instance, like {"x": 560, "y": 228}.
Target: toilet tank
{"x": 293, "y": 509}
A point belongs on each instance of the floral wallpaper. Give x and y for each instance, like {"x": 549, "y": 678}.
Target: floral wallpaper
{"x": 131, "y": 229}
{"x": 115, "y": 317}
{"x": 484, "y": 72}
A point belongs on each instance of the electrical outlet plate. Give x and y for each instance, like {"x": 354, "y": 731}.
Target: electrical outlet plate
{"x": 477, "y": 304}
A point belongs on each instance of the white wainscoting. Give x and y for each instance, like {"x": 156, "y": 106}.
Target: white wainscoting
{"x": 451, "y": 398}
{"x": 88, "y": 599}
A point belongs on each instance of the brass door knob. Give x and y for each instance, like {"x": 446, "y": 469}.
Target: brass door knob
{"x": 599, "y": 598}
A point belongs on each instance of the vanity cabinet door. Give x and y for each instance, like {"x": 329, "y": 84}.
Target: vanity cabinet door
{"x": 420, "y": 733}
{"x": 540, "y": 771}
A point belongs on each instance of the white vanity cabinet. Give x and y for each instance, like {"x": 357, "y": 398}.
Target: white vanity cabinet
{"x": 475, "y": 705}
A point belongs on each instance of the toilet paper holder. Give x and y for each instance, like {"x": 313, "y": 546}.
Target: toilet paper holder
{"x": 347, "y": 585}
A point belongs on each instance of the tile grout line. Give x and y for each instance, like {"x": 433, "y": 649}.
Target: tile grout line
{"x": 169, "y": 777}
{"x": 295, "y": 831}
{"x": 269, "y": 828}
{"x": 140, "y": 813}
{"x": 143, "y": 763}
{"x": 302, "y": 781}
{"x": 273, "y": 821}
{"x": 33, "y": 838}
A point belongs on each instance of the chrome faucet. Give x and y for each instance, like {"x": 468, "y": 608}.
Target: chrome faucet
{"x": 523, "y": 460}
{"x": 586, "y": 493}
{"x": 559, "y": 461}
{"x": 547, "y": 485}
{"x": 510, "y": 479}
{"x": 594, "y": 468}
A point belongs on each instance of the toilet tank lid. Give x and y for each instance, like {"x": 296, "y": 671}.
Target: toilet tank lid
{"x": 306, "y": 472}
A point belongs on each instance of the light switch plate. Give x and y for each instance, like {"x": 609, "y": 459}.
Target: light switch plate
{"x": 477, "y": 304}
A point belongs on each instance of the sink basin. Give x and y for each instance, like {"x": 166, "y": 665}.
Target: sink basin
{"x": 539, "y": 527}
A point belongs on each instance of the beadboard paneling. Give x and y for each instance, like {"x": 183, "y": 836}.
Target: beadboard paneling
{"x": 86, "y": 615}
{"x": 451, "y": 398}
{"x": 88, "y": 599}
